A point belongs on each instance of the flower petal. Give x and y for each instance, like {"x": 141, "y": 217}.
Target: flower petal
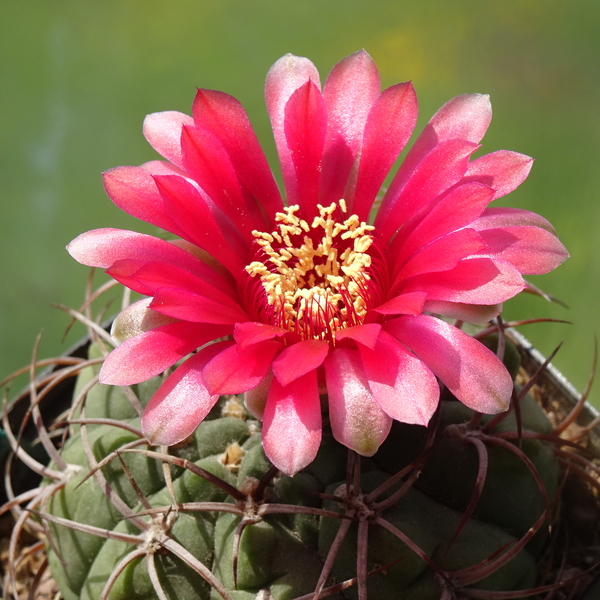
{"x": 467, "y": 368}
{"x": 104, "y": 247}
{"x": 180, "y": 403}
{"x": 472, "y": 281}
{"x": 163, "y": 132}
{"x": 284, "y": 78}
{"x": 390, "y": 125}
{"x": 357, "y": 420}
{"x": 292, "y": 424}
{"x": 531, "y": 250}
{"x": 350, "y": 91}
{"x": 439, "y": 170}
{"x": 365, "y": 334}
{"x": 237, "y": 370}
{"x": 208, "y": 162}
{"x": 471, "y": 313}
{"x": 250, "y": 332}
{"x": 182, "y": 199}
{"x": 187, "y": 306}
{"x": 225, "y": 117}
{"x": 404, "y": 304}
{"x": 133, "y": 190}
{"x": 299, "y": 359}
{"x": 305, "y": 126}
{"x": 150, "y": 353}
{"x": 402, "y": 384}
{"x": 502, "y": 170}
{"x": 136, "y": 319}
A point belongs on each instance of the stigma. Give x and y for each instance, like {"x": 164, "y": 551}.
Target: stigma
{"x": 314, "y": 277}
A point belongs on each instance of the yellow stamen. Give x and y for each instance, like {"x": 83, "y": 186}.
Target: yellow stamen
{"x": 316, "y": 282}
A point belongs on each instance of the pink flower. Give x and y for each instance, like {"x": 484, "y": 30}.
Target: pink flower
{"x": 284, "y": 301}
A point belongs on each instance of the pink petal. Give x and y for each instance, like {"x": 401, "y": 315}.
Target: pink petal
{"x": 439, "y": 170}
{"x": 390, "y": 125}
{"x": 402, "y": 385}
{"x": 471, "y": 372}
{"x": 190, "y": 211}
{"x": 299, "y": 359}
{"x": 133, "y": 190}
{"x": 255, "y": 399}
{"x": 471, "y": 313}
{"x": 187, "y": 306}
{"x": 225, "y": 117}
{"x": 287, "y": 75}
{"x": 149, "y": 354}
{"x": 350, "y": 91}
{"x": 443, "y": 254}
{"x": 136, "y": 319}
{"x": 237, "y": 370}
{"x": 455, "y": 210}
{"x": 499, "y": 216}
{"x": 366, "y": 334}
{"x": 357, "y": 420}
{"x": 531, "y": 250}
{"x": 163, "y": 131}
{"x": 208, "y": 162}
{"x": 502, "y": 170}
{"x": 148, "y": 277}
{"x": 405, "y": 304}
{"x": 292, "y": 424}
{"x": 248, "y": 333}
{"x": 103, "y": 247}
{"x": 472, "y": 281}
{"x": 180, "y": 403}
{"x": 305, "y": 126}
{"x": 465, "y": 117}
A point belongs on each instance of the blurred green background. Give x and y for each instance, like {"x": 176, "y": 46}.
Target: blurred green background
{"x": 78, "y": 77}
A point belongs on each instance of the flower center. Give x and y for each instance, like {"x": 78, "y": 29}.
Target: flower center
{"x": 314, "y": 276}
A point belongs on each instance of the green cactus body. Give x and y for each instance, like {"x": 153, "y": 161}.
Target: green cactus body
{"x": 279, "y": 553}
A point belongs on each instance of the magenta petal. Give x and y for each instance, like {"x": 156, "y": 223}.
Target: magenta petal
{"x": 357, "y": 420}
{"x": 465, "y": 117}
{"x": 152, "y": 275}
{"x": 472, "y": 281}
{"x": 251, "y": 332}
{"x": 438, "y": 171}
{"x": 502, "y": 170}
{"x": 444, "y": 253}
{"x": 350, "y": 91}
{"x": 187, "y": 306}
{"x": 150, "y": 353}
{"x": 103, "y": 247}
{"x": 182, "y": 199}
{"x": 163, "y": 131}
{"x": 237, "y": 370}
{"x": 467, "y": 368}
{"x": 366, "y": 334}
{"x": 299, "y": 359}
{"x": 471, "y": 313}
{"x": 133, "y": 190}
{"x": 402, "y": 385}
{"x": 225, "y": 117}
{"x": 305, "y": 126}
{"x": 292, "y": 424}
{"x": 390, "y": 124}
{"x": 180, "y": 403}
{"x": 287, "y": 75}
{"x": 455, "y": 210}
{"x": 205, "y": 158}
{"x": 404, "y": 304}
{"x": 500, "y": 216}
{"x": 532, "y": 250}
